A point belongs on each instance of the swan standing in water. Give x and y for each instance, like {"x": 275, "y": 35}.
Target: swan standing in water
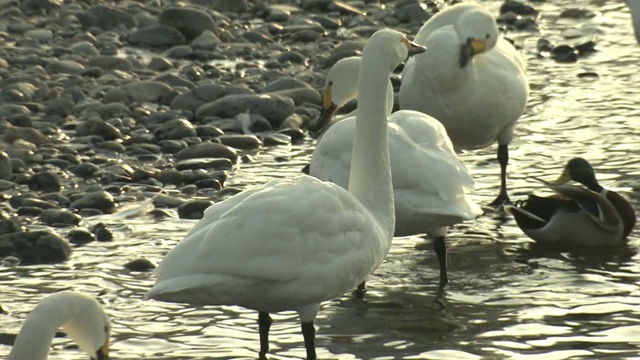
{"x": 430, "y": 184}
{"x": 474, "y": 82}
{"x": 79, "y": 315}
{"x": 295, "y": 243}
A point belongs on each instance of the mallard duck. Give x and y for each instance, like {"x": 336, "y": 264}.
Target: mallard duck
{"x": 472, "y": 80}
{"x": 591, "y": 216}
{"x": 431, "y": 185}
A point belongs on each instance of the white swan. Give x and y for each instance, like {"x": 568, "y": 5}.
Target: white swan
{"x": 81, "y": 316}
{"x": 634, "y": 7}
{"x": 429, "y": 182}
{"x": 295, "y": 243}
{"x": 473, "y": 81}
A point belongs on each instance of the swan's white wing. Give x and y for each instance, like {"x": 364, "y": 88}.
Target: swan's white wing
{"x": 443, "y": 18}
{"x": 430, "y": 183}
{"x": 331, "y": 159}
{"x": 298, "y": 240}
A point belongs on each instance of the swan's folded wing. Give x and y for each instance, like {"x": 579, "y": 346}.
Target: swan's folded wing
{"x": 275, "y": 233}
{"x": 331, "y": 159}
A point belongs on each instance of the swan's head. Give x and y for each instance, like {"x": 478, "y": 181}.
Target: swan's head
{"x": 478, "y": 33}
{"x": 390, "y": 48}
{"x": 89, "y": 327}
{"x": 578, "y": 170}
{"x": 340, "y": 86}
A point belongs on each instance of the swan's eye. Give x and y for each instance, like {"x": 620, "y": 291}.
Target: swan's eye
{"x": 106, "y": 329}
{"x": 487, "y": 36}
{"x": 330, "y": 83}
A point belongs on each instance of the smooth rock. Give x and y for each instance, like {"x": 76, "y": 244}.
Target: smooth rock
{"x": 60, "y": 217}
{"x": 175, "y": 129}
{"x": 274, "y": 108}
{"x": 35, "y": 247}
{"x": 100, "y": 200}
{"x": 47, "y": 181}
{"x": 193, "y": 209}
{"x": 6, "y": 169}
{"x": 208, "y": 150}
{"x": 98, "y": 127}
{"x": 141, "y": 264}
{"x": 244, "y": 142}
{"x": 190, "y": 22}
{"x": 102, "y": 232}
{"x": 106, "y": 18}
{"x": 80, "y": 236}
{"x": 157, "y": 36}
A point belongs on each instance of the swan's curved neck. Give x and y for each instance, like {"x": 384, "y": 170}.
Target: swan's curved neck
{"x": 370, "y": 176}
{"x": 34, "y": 340}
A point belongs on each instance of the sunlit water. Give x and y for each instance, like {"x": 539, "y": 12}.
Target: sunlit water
{"x": 507, "y": 297}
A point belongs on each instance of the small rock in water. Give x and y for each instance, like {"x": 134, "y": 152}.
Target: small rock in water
{"x": 35, "y": 247}
{"x": 193, "y": 209}
{"x": 60, "y": 217}
{"x": 100, "y": 200}
{"x": 80, "y": 236}
{"x": 244, "y": 142}
{"x": 102, "y": 232}
{"x": 141, "y": 264}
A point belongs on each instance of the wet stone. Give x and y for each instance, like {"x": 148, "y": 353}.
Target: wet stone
{"x": 517, "y": 7}
{"x": 6, "y": 169}
{"x": 29, "y": 211}
{"x": 99, "y": 128}
{"x": 102, "y": 232}
{"x": 35, "y": 247}
{"x": 106, "y": 18}
{"x": 175, "y": 129}
{"x": 60, "y": 217}
{"x": 204, "y": 163}
{"x": 86, "y": 170}
{"x": 208, "y": 150}
{"x": 273, "y": 107}
{"x": 564, "y": 54}
{"x": 157, "y": 36}
{"x": 190, "y": 22}
{"x": 244, "y": 142}
{"x": 80, "y": 236}
{"x": 46, "y": 181}
{"x": 141, "y": 264}
{"x": 193, "y": 209}
{"x": 276, "y": 139}
{"x": 100, "y": 200}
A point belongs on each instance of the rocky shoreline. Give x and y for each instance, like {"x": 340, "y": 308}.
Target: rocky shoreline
{"x": 100, "y": 101}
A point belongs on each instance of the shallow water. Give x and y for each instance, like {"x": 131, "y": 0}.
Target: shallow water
{"x": 507, "y": 297}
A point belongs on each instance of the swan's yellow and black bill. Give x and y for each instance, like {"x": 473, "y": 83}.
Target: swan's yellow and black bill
{"x": 413, "y": 48}
{"x": 103, "y": 352}
{"x": 471, "y": 48}
{"x": 329, "y": 109}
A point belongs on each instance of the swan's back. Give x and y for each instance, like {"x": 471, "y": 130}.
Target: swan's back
{"x": 293, "y": 241}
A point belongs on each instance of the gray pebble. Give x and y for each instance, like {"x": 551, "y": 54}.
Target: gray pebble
{"x": 244, "y": 142}
{"x": 64, "y": 67}
{"x": 59, "y": 217}
{"x": 80, "y": 236}
{"x": 193, "y": 209}
{"x": 47, "y": 181}
{"x": 204, "y": 163}
{"x": 140, "y": 264}
{"x": 157, "y": 36}
{"x": 98, "y": 127}
{"x": 190, "y": 22}
{"x": 110, "y": 63}
{"x": 35, "y": 247}
{"x": 208, "y": 150}
{"x": 6, "y": 169}
{"x": 102, "y": 232}
{"x": 100, "y": 200}
{"x": 274, "y": 108}
{"x": 175, "y": 129}
{"x": 106, "y": 18}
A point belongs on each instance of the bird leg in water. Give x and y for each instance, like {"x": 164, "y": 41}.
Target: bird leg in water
{"x": 309, "y": 334}
{"x": 503, "y": 159}
{"x": 358, "y": 293}
{"x": 440, "y": 247}
{"x": 264, "y": 323}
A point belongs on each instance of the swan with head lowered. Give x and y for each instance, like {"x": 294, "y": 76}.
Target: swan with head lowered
{"x": 294, "y": 243}
{"x": 79, "y": 315}
{"x": 430, "y": 184}
{"x": 474, "y": 82}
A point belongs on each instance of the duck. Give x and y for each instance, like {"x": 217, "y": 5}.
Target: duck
{"x": 297, "y": 242}
{"x": 586, "y": 216}
{"x": 79, "y": 315}
{"x": 431, "y": 186}
{"x": 474, "y": 82}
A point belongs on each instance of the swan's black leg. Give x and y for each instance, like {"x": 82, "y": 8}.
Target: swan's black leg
{"x": 264, "y": 323}
{"x": 503, "y": 159}
{"x": 440, "y": 247}
{"x": 309, "y": 333}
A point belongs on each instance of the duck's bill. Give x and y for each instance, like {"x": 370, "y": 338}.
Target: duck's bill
{"x": 317, "y": 127}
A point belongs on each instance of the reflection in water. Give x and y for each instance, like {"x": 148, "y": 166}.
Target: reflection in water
{"x": 508, "y": 297}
